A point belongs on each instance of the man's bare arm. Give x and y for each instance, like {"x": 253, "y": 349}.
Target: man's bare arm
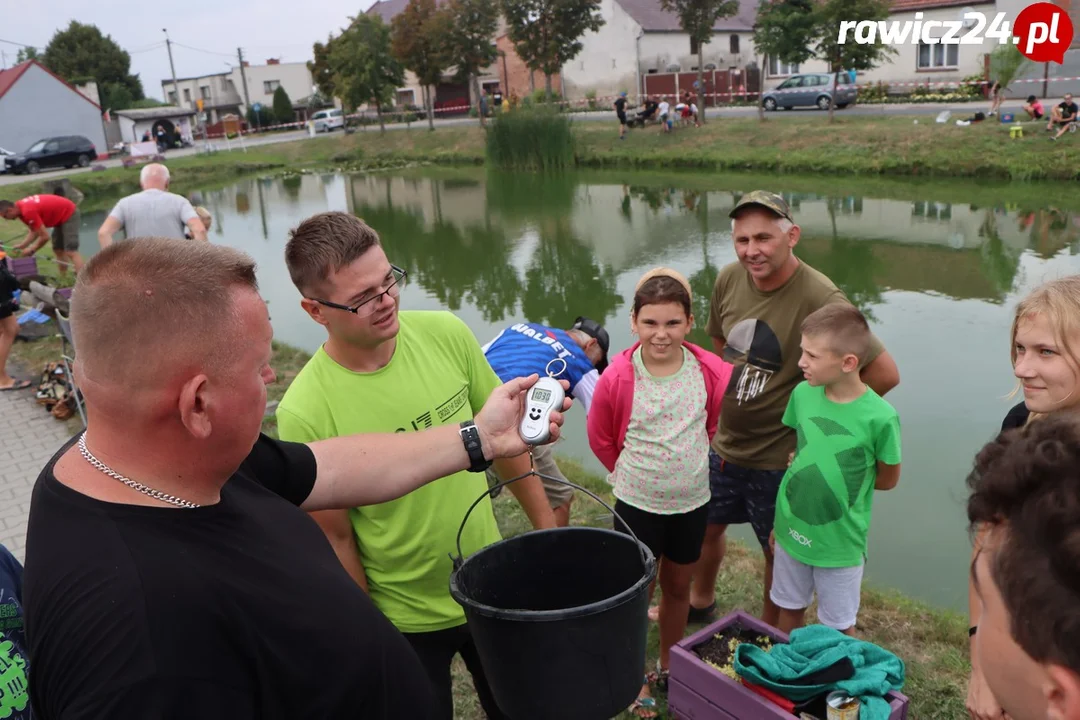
{"x": 26, "y": 241}
{"x": 375, "y": 468}
{"x": 339, "y": 531}
{"x": 105, "y": 233}
{"x": 882, "y": 374}
{"x": 42, "y": 237}
{"x": 718, "y": 345}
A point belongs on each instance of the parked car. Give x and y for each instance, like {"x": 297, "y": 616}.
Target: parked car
{"x": 65, "y": 151}
{"x": 810, "y": 89}
{"x": 3, "y": 157}
{"x": 328, "y": 120}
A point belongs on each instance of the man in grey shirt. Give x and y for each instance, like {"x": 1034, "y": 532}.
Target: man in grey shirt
{"x": 154, "y": 212}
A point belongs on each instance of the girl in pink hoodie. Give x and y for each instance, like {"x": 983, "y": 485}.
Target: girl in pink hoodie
{"x": 654, "y": 412}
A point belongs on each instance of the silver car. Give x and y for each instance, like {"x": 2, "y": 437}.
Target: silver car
{"x": 809, "y": 90}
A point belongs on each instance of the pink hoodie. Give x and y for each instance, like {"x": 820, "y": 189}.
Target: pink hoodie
{"x": 613, "y": 400}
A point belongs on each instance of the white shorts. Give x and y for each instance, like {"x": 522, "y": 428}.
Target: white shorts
{"x": 838, "y": 589}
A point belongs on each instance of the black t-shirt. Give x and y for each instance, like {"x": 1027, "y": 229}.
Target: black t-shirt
{"x": 1015, "y": 418}
{"x": 620, "y": 106}
{"x": 1068, "y": 110}
{"x": 232, "y": 611}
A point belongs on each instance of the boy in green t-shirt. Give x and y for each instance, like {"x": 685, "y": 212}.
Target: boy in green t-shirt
{"x": 848, "y": 445}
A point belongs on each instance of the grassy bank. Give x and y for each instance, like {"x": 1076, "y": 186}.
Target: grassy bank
{"x": 853, "y": 145}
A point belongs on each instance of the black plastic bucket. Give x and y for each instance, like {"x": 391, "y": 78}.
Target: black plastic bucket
{"x": 559, "y": 618}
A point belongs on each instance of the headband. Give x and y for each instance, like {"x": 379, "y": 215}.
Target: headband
{"x": 666, "y": 272}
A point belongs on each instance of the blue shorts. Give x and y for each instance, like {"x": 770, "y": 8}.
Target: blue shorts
{"x": 743, "y": 495}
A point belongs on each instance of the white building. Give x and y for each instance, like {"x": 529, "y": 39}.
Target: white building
{"x": 219, "y": 93}
{"x": 639, "y": 39}
{"x": 263, "y": 80}
{"x": 36, "y": 104}
{"x": 135, "y": 123}
{"x": 223, "y": 93}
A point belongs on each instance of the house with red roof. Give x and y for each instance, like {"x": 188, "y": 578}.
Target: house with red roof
{"x": 640, "y": 39}
{"x": 36, "y": 104}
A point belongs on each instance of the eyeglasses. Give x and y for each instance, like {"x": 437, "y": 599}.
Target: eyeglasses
{"x": 366, "y": 307}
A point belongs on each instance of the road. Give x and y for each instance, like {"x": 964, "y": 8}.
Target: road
{"x": 7, "y": 179}
{"x": 959, "y": 110}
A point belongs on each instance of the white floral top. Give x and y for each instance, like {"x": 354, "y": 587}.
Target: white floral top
{"x": 664, "y": 465}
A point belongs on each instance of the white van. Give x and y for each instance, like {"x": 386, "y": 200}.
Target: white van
{"x": 327, "y": 120}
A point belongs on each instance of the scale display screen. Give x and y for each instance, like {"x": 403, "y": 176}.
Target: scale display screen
{"x": 541, "y": 396}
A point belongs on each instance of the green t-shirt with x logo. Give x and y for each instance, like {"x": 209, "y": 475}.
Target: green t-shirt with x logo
{"x": 823, "y": 506}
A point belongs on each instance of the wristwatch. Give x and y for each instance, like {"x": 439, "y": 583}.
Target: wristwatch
{"x": 471, "y": 437}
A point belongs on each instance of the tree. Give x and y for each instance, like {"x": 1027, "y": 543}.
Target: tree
{"x": 27, "y": 53}
{"x": 283, "y": 111}
{"x": 470, "y": 27}
{"x": 362, "y": 69}
{"x": 547, "y": 33}
{"x": 697, "y": 18}
{"x": 417, "y": 41}
{"x": 81, "y": 53}
{"x": 320, "y": 68}
{"x": 795, "y": 31}
{"x": 1007, "y": 63}
{"x": 783, "y": 30}
{"x": 261, "y": 119}
{"x": 146, "y": 103}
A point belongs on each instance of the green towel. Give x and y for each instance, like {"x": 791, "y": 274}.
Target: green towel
{"x": 814, "y": 648}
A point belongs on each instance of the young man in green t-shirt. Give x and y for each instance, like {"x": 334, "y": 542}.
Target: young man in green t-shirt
{"x": 847, "y": 446}
{"x": 385, "y": 371}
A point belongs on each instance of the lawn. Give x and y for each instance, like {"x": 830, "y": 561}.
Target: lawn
{"x": 859, "y": 145}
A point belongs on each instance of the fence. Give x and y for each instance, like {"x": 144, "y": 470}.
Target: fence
{"x": 733, "y": 84}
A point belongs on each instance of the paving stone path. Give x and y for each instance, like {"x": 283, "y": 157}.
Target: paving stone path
{"x": 28, "y": 438}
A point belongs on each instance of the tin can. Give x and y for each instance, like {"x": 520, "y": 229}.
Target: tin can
{"x": 841, "y": 706}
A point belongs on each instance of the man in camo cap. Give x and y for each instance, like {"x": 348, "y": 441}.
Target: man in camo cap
{"x": 757, "y": 308}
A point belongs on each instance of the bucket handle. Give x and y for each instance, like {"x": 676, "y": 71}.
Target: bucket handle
{"x": 457, "y": 561}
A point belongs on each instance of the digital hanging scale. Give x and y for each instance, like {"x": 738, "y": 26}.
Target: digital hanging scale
{"x": 543, "y": 398}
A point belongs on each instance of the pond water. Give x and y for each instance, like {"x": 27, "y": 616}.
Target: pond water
{"x": 938, "y": 280}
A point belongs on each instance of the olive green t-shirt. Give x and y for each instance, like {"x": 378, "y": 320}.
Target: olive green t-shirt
{"x": 762, "y": 336}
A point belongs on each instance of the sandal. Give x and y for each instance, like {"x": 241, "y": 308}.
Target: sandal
{"x": 17, "y": 385}
{"x": 643, "y": 707}
{"x": 694, "y": 616}
{"x": 661, "y": 676}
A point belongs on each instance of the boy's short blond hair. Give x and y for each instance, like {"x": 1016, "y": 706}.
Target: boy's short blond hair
{"x": 843, "y": 327}
{"x": 205, "y": 216}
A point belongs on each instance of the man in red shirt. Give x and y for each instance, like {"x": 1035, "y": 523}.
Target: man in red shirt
{"x": 39, "y": 212}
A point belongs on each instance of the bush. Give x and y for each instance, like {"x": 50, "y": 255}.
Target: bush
{"x": 532, "y": 139}
{"x": 975, "y": 91}
{"x": 539, "y": 97}
{"x": 877, "y": 93}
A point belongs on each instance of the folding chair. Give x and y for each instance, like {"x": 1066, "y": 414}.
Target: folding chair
{"x": 68, "y": 359}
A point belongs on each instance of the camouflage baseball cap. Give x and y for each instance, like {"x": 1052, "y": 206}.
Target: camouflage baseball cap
{"x": 765, "y": 199}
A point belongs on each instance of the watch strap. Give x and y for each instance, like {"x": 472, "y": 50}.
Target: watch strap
{"x": 471, "y": 437}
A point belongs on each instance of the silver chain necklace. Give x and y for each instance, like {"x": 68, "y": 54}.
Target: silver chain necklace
{"x": 156, "y": 494}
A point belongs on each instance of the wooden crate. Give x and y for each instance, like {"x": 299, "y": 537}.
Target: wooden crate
{"x": 698, "y": 691}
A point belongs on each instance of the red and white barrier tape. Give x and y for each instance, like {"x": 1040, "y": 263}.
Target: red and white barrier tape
{"x": 604, "y": 102}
